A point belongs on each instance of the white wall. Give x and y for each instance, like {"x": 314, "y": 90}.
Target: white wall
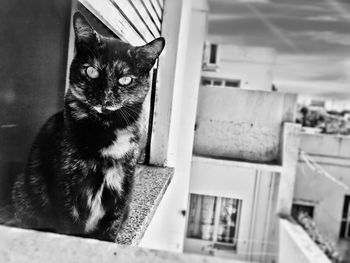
{"x": 253, "y": 66}
{"x": 295, "y": 246}
{"x": 333, "y": 154}
{"x": 167, "y": 228}
{"x": 255, "y": 189}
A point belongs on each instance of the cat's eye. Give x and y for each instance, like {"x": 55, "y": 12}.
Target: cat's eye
{"x": 92, "y": 72}
{"x": 125, "y": 81}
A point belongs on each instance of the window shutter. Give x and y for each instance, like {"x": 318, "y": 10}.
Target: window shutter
{"x": 133, "y": 21}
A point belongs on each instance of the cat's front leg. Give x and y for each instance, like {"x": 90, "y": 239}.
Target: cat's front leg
{"x": 110, "y": 225}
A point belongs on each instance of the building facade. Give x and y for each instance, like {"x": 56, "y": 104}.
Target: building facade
{"x": 233, "y": 66}
{"x": 322, "y": 186}
{"x": 241, "y": 162}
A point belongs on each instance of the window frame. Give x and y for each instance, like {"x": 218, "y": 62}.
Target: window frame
{"x": 216, "y": 222}
{"x": 305, "y": 204}
{"x": 214, "y": 46}
{"x": 222, "y": 81}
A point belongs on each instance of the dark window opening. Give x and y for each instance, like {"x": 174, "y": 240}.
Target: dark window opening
{"x": 233, "y": 83}
{"x": 345, "y": 220}
{"x": 298, "y": 208}
{"x": 213, "y": 54}
{"x": 217, "y": 82}
{"x": 206, "y": 82}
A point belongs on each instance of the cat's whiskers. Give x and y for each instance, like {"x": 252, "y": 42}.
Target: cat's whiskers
{"x": 124, "y": 116}
{"x": 127, "y": 107}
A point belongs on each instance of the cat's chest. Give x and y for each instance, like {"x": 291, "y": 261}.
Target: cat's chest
{"x": 98, "y": 201}
{"x": 125, "y": 143}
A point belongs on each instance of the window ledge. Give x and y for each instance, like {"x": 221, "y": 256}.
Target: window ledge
{"x": 150, "y": 185}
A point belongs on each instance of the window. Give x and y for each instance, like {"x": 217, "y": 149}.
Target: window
{"x": 217, "y": 82}
{"x": 345, "y": 221}
{"x": 221, "y": 82}
{"x": 302, "y": 208}
{"x": 214, "y": 219}
{"x": 213, "y": 54}
{"x": 206, "y": 82}
{"x": 210, "y": 57}
{"x": 233, "y": 83}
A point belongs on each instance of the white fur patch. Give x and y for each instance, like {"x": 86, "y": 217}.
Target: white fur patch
{"x": 113, "y": 108}
{"x": 75, "y": 213}
{"x": 96, "y": 209}
{"x": 120, "y": 146}
{"x": 114, "y": 178}
{"x": 98, "y": 109}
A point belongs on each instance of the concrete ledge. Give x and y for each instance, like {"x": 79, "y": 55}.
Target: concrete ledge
{"x": 296, "y": 246}
{"x": 150, "y": 186}
{"x": 20, "y": 245}
{"x": 244, "y": 164}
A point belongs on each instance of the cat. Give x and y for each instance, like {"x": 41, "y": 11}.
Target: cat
{"x": 80, "y": 171}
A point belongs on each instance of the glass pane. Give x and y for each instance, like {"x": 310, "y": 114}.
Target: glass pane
{"x": 217, "y": 83}
{"x": 201, "y": 217}
{"x": 233, "y": 83}
{"x": 213, "y": 53}
{"x": 229, "y": 217}
{"x": 206, "y": 82}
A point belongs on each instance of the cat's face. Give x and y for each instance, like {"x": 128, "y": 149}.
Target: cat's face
{"x": 107, "y": 74}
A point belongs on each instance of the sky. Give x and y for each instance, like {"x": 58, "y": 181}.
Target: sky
{"x": 311, "y": 39}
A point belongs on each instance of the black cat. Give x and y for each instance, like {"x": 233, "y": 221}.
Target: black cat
{"x": 80, "y": 171}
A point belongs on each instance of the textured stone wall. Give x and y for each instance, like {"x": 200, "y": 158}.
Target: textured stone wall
{"x": 241, "y": 124}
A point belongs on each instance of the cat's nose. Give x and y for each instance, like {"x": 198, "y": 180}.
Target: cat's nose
{"x": 107, "y": 104}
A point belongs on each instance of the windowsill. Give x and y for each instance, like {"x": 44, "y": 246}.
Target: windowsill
{"x": 210, "y": 67}
{"x": 150, "y": 185}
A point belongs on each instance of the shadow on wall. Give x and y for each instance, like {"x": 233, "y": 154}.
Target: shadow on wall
{"x": 34, "y": 44}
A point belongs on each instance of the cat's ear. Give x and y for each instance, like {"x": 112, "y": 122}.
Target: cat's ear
{"x": 148, "y": 54}
{"x": 84, "y": 33}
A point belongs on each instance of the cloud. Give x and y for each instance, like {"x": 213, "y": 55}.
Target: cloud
{"x": 325, "y": 36}
{"x": 241, "y": 1}
{"x": 226, "y": 17}
{"x": 326, "y": 18}
{"x": 311, "y": 68}
{"x": 253, "y": 1}
{"x": 311, "y": 38}
{"x": 316, "y": 89}
{"x": 325, "y": 75}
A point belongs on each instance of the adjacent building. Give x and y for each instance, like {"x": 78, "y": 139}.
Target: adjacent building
{"x": 322, "y": 186}
{"x": 237, "y": 66}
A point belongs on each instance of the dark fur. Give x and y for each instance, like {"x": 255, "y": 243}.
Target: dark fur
{"x": 65, "y": 162}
